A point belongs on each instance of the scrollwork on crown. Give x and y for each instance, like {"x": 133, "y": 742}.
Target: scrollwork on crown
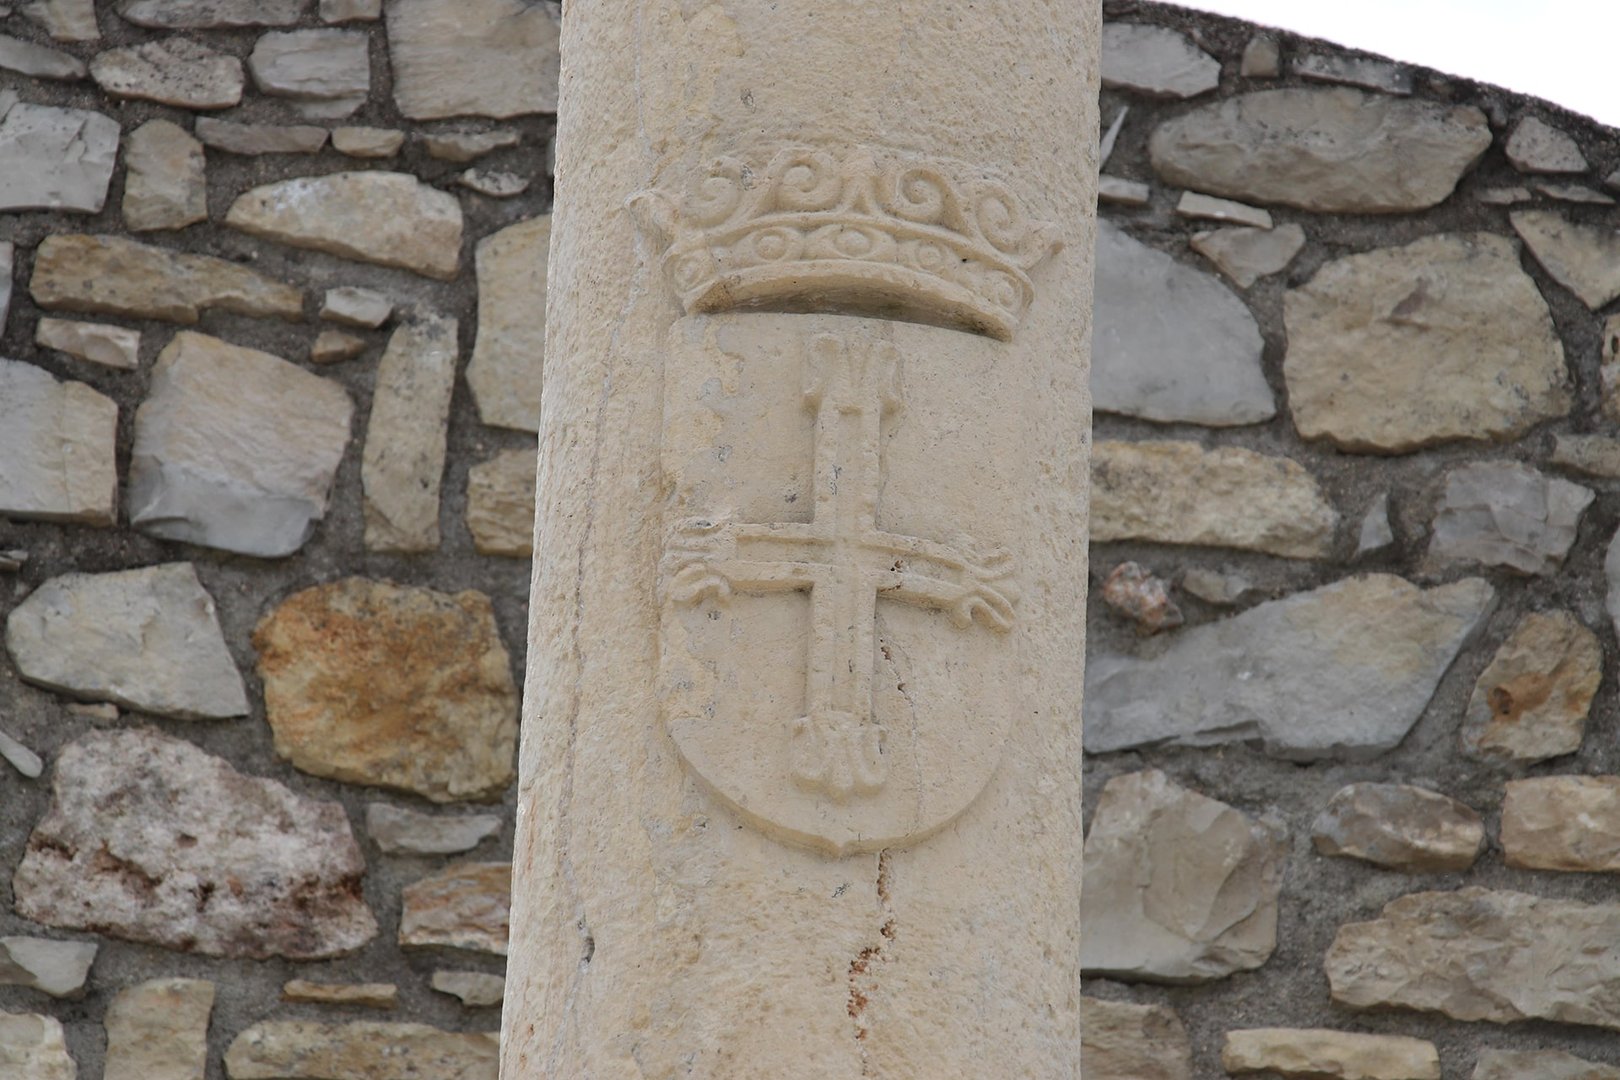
{"x": 857, "y": 233}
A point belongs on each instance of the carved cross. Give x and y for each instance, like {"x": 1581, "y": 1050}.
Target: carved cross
{"x": 846, "y": 563}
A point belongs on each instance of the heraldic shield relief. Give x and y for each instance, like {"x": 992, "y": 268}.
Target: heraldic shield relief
{"x": 840, "y": 620}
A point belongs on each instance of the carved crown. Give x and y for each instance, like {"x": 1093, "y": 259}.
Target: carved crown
{"x": 812, "y": 231}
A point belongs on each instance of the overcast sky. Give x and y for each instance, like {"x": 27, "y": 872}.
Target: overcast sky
{"x": 1560, "y": 50}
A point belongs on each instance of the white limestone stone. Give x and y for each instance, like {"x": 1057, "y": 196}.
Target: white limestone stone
{"x": 1585, "y": 259}
{"x": 1208, "y": 208}
{"x": 1246, "y": 255}
{"x": 1368, "y": 74}
{"x": 158, "y": 1030}
{"x": 1324, "y": 1054}
{"x": 476, "y": 989}
{"x": 40, "y": 61}
{"x": 1376, "y": 533}
{"x": 254, "y": 139}
{"x": 171, "y": 71}
{"x": 342, "y": 11}
{"x": 496, "y": 183}
{"x": 59, "y": 968}
{"x": 496, "y": 58}
{"x": 34, "y": 1047}
{"x": 234, "y": 448}
{"x": 1262, "y": 58}
{"x": 1539, "y": 1065}
{"x": 399, "y": 831}
{"x": 367, "y": 142}
{"x": 1537, "y": 147}
{"x": 465, "y": 146}
{"x": 65, "y": 20}
{"x": 304, "y": 1050}
{"x": 1156, "y": 61}
{"x": 402, "y": 467}
{"x": 99, "y": 343}
{"x": 166, "y": 182}
{"x": 326, "y": 72}
{"x": 1113, "y": 189}
{"x": 1502, "y": 513}
{"x": 24, "y": 760}
{"x": 500, "y": 504}
{"x": 1573, "y": 193}
{"x": 59, "y": 443}
{"x": 211, "y": 14}
{"x": 350, "y": 305}
{"x": 56, "y": 159}
{"x": 509, "y": 353}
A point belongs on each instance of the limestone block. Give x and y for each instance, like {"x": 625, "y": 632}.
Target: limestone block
{"x": 509, "y": 354}
{"x": 172, "y": 71}
{"x": 1445, "y": 338}
{"x": 496, "y": 183}
{"x": 1262, "y": 58}
{"x": 363, "y": 995}
{"x": 39, "y": 61}
{"x": 367, "y": 142}
{"x": 1376, "y": 533}
{"x": 59, "y": 443}
{"x": 98, "y": 343}
{"x": 402, "y": 466}
{"x": 1113, "y": 189}
{"x": 234, "y": 448}
{"x": 1478, "y": 954}
{"x": 341, "y": 11}
{"x": 1537, "y": 147}
{"x": 1180, "y": 493}
{"x": 1133, "y": 1042}
{"x": 150, "y": 839}
{"x": 1179, "y": 888}
{"x": 1532, "y": 702}
{"x": 496, "y": 58}
{"x": 399, "y": 831}
{"x": 1400, "y": 827}
{"x": 398, "y": 687}
{"x": 1246, "y": 255}
{"x": 1581, "y": 258}
{"x": 16, "y": 754}
{"x": 327, "y": 73}
{"x": 255, "y": 139}
{"x": 465, "y": 146}
{"x": 65, "y": 20}
{"x": 1322, "y": 1054}
{"x": 1333, "y": 150}
{"x": 1214, "y": 587}
{"x": 301, "y": 1050}
{"x": 59, "y": 968}
{"x": 335, "y": 346}
{"x": 8, "y": 254}
{"x": 353, "y": 306}
{"x": 1343, "y": 671}
{"x": 476, "y": 989}
{"x": 1569, "y": 823}
{"x": 1196, "y": 207}
{"x": 158, "y": 1030}
{"x": 1593, "y": 455}
{"x": 34, "y": 1047}
{"x": 1355, "y": 71}
{"x": 1156, "y": 61}
{"x": 1539, "y": 1065}
{"x": 1501, "y": 513}
{"x": 467, "y": 906}
{"x": 56, "y": 159}
{"x": 211, "y": 14}
{"x": 166, "y": 186}
{"x": 391, "y": 219}
{"x": 500, "y": 504}
{"x": 1170, "y": 342}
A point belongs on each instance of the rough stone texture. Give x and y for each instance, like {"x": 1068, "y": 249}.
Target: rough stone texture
{"x": 58, "y": 442}
{"x": 465, "y": 146}
{"x": 1400, "y": 827}
{"x": 1133, "y": 1042}
{"x": 1262, "y": 58}
{"x": 149, "y": 838}
{"x": 363, "y": 995}
{"x": 398, "y": 831}
{"x": 1179, "y": 888}
{"x": 500, "y": 504}
{"x": 398, "y": 687}
{"x": 467, "y": 906}
{"x": 1567, "y": 823}
{"x": 1180, "y": 493}
{"x": 340, "y": 11}
{"x": 1341, "y": 671}
{"x": 65, "y": 20}
{"x": 8, "y": 255}
{"x": 235, "y": 449}
{"x": 402, "y": 466}
{"x": 1323, "y": 1054}
{"x": 302, "y": 1050}
{"x": 367, "y": 142}
{"x": 158, "y": 1030}
{"x": 1609, "y": 373}
{"x": 353, "y": 306}
{"x": 211, "y": 14}
{"x": 56, "y": 159}
{"x": 391, "y": 219}
{"x": 1539, "y": 1065}
{"x": 172, "y": 71}
{"x": 475, "y": 989}
{"x": 1537, "y": 147}
{"x": 16, "y": 754}
{"x": 1593, "y": 455}
{"x": 509, "y": 355}
{"x": 1585, "y": 259}
{"x": 39, "y": 61}
{"x": 495, "y": 58}
{"x": 1531, "y": 703}
{"x": 58, "y": 968}
{"x": 1213, "y": 587}
{"x": 1355, "y": 71}
{"x": 109, "y": 275}
{"x": 33, "y": 1047}
{"x": 1135, "y": 593}
{"x": 1198, "y": 207}
{"x": 98, "y": 343}
{"x": 1112, "y": 189}
{"x": 1445, "y": 338}
{"x": 496, "y": 183}
{"x": 166, "y": 186}
{"x": 1501, "y": 513}
{"x": 1478, "y": 954}
{"x": 335, "y": 346}
{"x": 1156, "y": 61}
{"x": 327, "y": 73}
{"x": 148, "y": 639}
{"x": 1246, "y": 255}
{"x": 1170, "y": 342}
{"x": 254, "y": 139}
{"x": 1376, "y": 533}
{"x": 1333, "y": 150}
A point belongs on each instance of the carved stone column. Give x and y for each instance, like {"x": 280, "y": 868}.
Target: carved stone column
{"x": 801, "y": 751}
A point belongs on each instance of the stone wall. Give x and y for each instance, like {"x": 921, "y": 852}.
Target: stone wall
{"x": 266, "y": 419}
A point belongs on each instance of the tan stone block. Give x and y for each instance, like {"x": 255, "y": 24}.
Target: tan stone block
{"x": 158, "y": 1030}
{"x": 299, "y": 1050}
{"x": 402, "y": 464}
{"x": 1400, "y": 827}
{"x": 509, "y": 356}
{"x": 166, "y": 186}
{"x": 467, "y": 906}
{"x": 1532, "y": 701}
{"x": 364, "y": 995}
{"x": 1322, "y": 1054}
{"x": 1562, "y": 823}
{"x": 1120, "y": 1041}
{"x": 500, "y": 504}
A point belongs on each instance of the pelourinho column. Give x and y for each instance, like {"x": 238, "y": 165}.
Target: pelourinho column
{"x": 800, "y": 787}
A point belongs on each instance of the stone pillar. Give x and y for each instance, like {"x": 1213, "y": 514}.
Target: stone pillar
{"x": 801, "y": 756}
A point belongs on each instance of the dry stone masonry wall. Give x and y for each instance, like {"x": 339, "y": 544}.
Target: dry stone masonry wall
{"x": 271, "y": 283}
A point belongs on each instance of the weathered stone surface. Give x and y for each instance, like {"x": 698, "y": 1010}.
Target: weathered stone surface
{"x": 1502, "y": 513}
{"x": 98, "y": 343}
{"x": 254, "y": 139}
{"x": 300, "y": 1050}
{"x": 333, "y": 346}
{"x": 1585, "y": 259}
{"x": 467, "y": 906}
{"x": 509, "y": 354}
{"x": 1446, "y": 338}
{"x": 464, "y": 146}
{"x": 34, "y": 1047}
{"x": 1593, "y": 455}
{"x": 59, "y": 444}
{"x": 341, "y": 11}
{"x": 174, "y": 71}
{"x": 367, "y": 142}
{"x": 234, "y": 448}
{"x": 211, "y": 14}
{"x": 1504, "y": 196}
{"x": 1246, "y": 255}
{"x": 364, "y": 995}
{"x": 1567, "y": 823}
{"x": 1156, "y": 61}
{"x": 150, "y": 839}
{"x": 1323, "y": 1054}
{"x": 65, "y": 20}
{"x": 1262, "y": 58}
{"x": 353, "y": 306}
{"x": 1478, "y": 954}
{"x": 1119, "y": 1041}
{"x": 59, "y": 968}
{"x": 1181, "y": 493}
{"x": 402, "y": 465}
{"x": 166, "y": 186}
{"x": 39, "y": 61}
{"x": 1208, "y": 208}
{"x": 19, "y": 756}
{"x": 1573, "y": 193}
{"x": 56, "y": 159}
{"x": 1169, "y": 342}
{"x": 326, "y": 72}
{"x": 1537, "y": 147}
{"x": 1531, "y": 703}
{"x": 158, "y": 1030}
{"x": 109, "y": 275}
{"x": 1376, "y": 534}
{"x": 1179, "y": 888}
{"x": 1135, "y": 593}
{"x": 1355, "y": 71}
{"x": 1609, "y": 373}
{"x": 500, "y": 504}
{"x": 1400, "y": 827}
{"x": 148, "y": 639}
{"x": 1539, "y": 1065}
{"x": 392, "y": 686}
{"x": 391, "y": 219}
{"x": 1333, "y": 150}
{"x": 1112, "y": 189}
{"x": 495, "y": 58}
{"x": 8, "y": 255}
{"x": 1341, "y": 671}
{"x": 476, "y": 989}
{"x": 496, "y": 183}
{"x": 1214, "y": 587}
{"x": 398, "y": 831}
